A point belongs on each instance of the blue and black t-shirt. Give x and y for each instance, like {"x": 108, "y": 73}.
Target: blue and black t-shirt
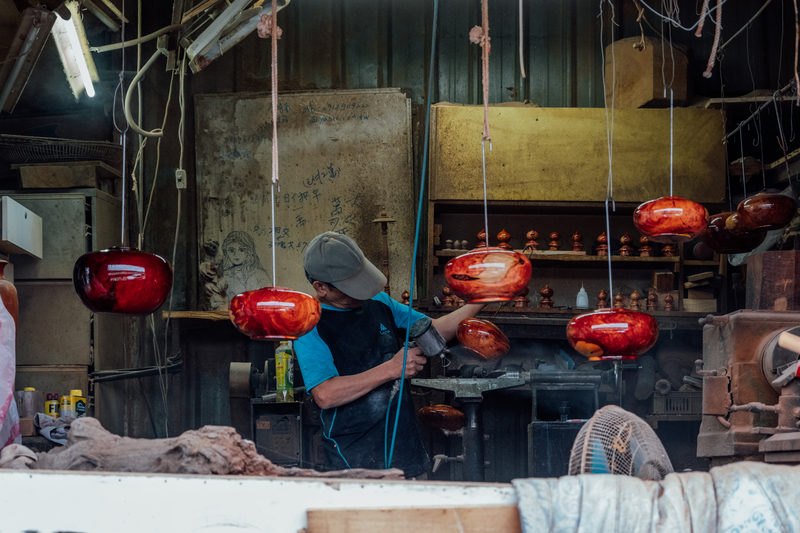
{"x": 347, "y": 342}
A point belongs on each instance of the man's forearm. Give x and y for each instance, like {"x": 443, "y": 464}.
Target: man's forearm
{"x": 447, "y": 326}
{"x": 340, "y": 390}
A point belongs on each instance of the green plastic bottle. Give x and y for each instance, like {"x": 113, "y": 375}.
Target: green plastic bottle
{"x": 284, "y": 372}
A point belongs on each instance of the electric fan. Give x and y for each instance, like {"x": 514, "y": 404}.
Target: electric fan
{"x": 615, "y": 441}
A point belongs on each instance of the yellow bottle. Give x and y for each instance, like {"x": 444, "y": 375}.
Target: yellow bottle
{"x": 284, "y": 372}
{"x": 73, "y": 405}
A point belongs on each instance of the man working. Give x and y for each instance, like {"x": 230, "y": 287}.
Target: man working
{"x": 351, "y": 360}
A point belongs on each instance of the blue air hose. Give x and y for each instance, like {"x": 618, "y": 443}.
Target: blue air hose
{"x": 416, "y": 242}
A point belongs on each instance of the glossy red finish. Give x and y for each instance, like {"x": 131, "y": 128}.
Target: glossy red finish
{"x": 274, "y": 313}
{"x": 762, "y": 212}
{"x": 483, "y": 338}
{"x": 612, "y": 334}
{"x": 488, "y": 275}
{"x": 441, "y": 417}
{"x": 670, "y": 219}
{"x": 717, "y": 236}
{"x": 122, "y": 280}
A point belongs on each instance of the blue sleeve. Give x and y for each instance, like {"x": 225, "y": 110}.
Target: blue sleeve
{"x": 315, "y": 358}
{"x": 400, "y": 312}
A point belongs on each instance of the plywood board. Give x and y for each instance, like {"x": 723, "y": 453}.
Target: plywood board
{"x": 561, "y": 154}
{"x": 442, "y": 520}
{"x": 343, "y": 155}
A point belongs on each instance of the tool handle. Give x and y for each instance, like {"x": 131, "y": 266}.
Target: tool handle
{"x": 789, "y": 341}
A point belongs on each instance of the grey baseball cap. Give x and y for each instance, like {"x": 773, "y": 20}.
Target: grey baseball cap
{"x": 336, "y": 259}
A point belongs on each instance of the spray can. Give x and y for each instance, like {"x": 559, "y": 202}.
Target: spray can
{"x": 284, "y": 372}
{"x": 51, "y": 405}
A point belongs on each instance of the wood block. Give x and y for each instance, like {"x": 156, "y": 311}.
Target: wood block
{"x": 74, "y": 174}
{"x": 479, "y": 519}
{"x": 638, "y": 79}
{"x": 701, "y": 276}
{"x": 697, "y": 294}
{"x": 772, "y": 281}
{"x": 26, "y": 427}
{"x": 693, "y": 284}
{"x": 700, "y": 305}
{"x": 663, "y": 280}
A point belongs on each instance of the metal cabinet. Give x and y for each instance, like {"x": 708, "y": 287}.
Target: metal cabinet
{"x": 54, "y": 327}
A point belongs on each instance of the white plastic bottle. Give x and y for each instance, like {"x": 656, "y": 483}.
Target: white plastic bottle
{"x": 582, "y": 301}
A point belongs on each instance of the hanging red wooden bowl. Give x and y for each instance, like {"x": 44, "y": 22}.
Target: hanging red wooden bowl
{"x": 612, "y": 334}
{"x": 483, "y": 338}
{"x": 670, "y": 219}
{"x": 441, "y": 417}
{"x": 762, "y": 212}
{"x": 274, "y": 313}
{"x": 488, "y": 275}
{"x": 122, "y": 280}
{"x": 717, "y": 236}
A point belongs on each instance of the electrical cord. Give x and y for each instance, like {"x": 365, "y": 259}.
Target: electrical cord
{"x": 140, "y": 40}
{"x": 416, "y": 235}
{"x": 135, "y": 127}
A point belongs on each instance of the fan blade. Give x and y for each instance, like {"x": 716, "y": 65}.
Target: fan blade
{"x": 599, "y": 461}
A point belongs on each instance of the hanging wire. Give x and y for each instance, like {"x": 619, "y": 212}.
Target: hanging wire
{"x": 521, "y": 35}
{"x": 677, "y": 23}
{"x": 744, "y": 184}
{"x": 274, "y": 37}
{"x": 123, "y": 132}
{"x": 388, "y": 462}
{"x": 609, "y": 133}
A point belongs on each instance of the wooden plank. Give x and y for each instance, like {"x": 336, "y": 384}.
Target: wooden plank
{"x": 197, "y": 315}
{"x": 490, "y": 518}
{"x": 701, "y": 276}
{"x": 561, "y": 154}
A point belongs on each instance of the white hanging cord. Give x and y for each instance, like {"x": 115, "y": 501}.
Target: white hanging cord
{"x": 123, "y": 132}
{"x": 609, "y": 135}
{"x": 521, "y": 58}
{"x": 272, "y": 219}
{"x": 274, "y": 38}
{"x": 677, "y": 23}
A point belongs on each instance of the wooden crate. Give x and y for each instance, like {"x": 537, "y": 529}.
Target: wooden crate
{"x": 772, "y": 281}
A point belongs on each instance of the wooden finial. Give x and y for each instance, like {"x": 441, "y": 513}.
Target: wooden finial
{"x": 626, "y": 250}
{"x": 602, "y": 300}
{"x": 669, "y": 251}
{"x": 576, "y": 242}
{"x": 618, "y": 301}
{"x": 504, "y": 237}
{"x": 652, "y": 301}
{"x": 554, "y": 241}
{"x": 668, "y": 303}
{"x": 447, "y": 301}
{"x": 532, "y": 244}
{"x": 635, "y": 304}
{"x": 481, "y": 239}
{"x": 520, "y": 300}
{"x": 602, "y": 248}
{"x": 646, "y": 250}
{"x": 546, "y": 302}
{"x": 405, "y": 296}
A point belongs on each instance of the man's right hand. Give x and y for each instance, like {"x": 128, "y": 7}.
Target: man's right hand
{"x": 414, "y": 362}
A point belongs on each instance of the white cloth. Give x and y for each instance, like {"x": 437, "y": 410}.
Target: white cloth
{"x": 742, "y": 497}
{"x": 9, "y": 418}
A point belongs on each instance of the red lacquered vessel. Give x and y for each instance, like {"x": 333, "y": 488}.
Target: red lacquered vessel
{"x": 441, "y": 417}
{"x": 762, "y": 212}
{"x": 717, "y": 236}
{"x": 612, "y": 334}
{"x": 670, "y": 219}
{"x": 122, "y": 280}
{"x": 274, "y": 313}
{"x": 488, "y": 275}
{"x": 483, "y": 338}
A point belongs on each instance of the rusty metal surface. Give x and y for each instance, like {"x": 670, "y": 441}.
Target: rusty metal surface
{"x": 561, "y": 154}
{"x": 716, "y": 395}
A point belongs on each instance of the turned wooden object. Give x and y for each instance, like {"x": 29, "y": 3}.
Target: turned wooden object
{"x": 406, "y": 296}
{"x": 532, "y": 244}
{"x": 465, "y": 244}
{"x": 576, "y": 242}
{"x": 668, "y": 303}
{"x": 554, "y": 241}
{"x": 520, "y": 300}
{"x": 645, "y": 250}
{"x": 503, "y": 237}
{"x": 448, "y": 244}
{"x": 481, "y": 239}
{"x": 602, "y": 248}
{"x": 669, "y": 250}
{"x": 652, "y": 301}
{"x": 546, "y": 302}
{"x": 618, "y": 301}
{"x": 602, "y": 300}
{"x": 626, "y": 250}
{"x": 635, "y": 304}
{"x": 447, "y": 301}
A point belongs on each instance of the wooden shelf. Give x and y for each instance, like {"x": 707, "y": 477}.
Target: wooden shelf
{"x": 693, "y": 262}
{"x": 569, "y": 257}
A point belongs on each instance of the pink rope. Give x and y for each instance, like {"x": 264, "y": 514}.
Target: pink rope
{"x": 275, "y": 92}
{"x": 712, "y": 59}
{"x": 703, "y": 13}
{"x": 486, "y": 48}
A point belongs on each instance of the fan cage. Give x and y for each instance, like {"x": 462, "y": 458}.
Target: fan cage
{"x": 21, "y": 149}
{"x": 616, "y": 441}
